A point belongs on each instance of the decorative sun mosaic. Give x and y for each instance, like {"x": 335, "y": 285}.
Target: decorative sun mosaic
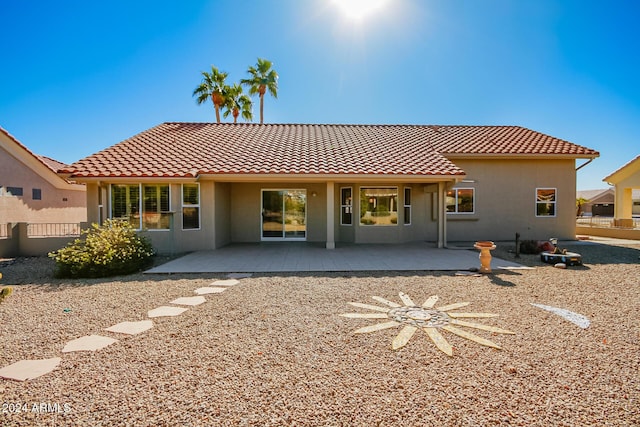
{"x": 426, "y": 317}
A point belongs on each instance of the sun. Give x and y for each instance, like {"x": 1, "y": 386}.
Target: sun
{"x": 431, "y": 320}
{"x": 359, "y": 9}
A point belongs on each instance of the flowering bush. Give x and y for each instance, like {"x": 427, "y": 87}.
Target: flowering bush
{"x": 108, "y": 250}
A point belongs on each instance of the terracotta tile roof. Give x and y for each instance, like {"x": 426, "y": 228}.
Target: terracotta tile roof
{"x": 52, "y": 164}
{"x": 191, "y": 149}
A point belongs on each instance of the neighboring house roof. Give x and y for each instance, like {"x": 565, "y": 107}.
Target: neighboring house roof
{"x": 593, "y": 194}
{"x": 624, "y": 172}
{"x": 53, "y": 164}
{"x": 43, "y": 166}
{"x": 192, "y": 149}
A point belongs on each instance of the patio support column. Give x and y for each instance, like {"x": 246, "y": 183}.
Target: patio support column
{"x": 442, "y": 215}
{"x": 331, "y": 242}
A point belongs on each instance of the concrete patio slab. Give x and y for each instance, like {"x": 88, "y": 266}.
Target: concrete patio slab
{"x": 88, "y": 343}
{"x": 308, "y": 257}
{"x": 189, "y": 301}
{"x": 166, "y": 311}
{"x": 131, "y": 328}
{"x": 209, "y": 290}
{"x": 29, "y": 369}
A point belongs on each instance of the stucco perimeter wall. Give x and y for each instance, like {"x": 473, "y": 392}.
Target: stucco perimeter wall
{"x": 56, "y": 205}
{"x": 505, "y": 200}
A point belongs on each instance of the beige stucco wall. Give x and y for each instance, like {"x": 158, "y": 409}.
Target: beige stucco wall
{"x": 624, "y": 194}
{"x": 246, "y": 201}
{"x": 505, "y": 200}
{"x": 56, "y": 206}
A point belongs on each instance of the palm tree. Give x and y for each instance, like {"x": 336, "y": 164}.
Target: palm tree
{"x": 236, "y": 103}
{"x": 263, "y": 79}
{"x": 213, "y": 87}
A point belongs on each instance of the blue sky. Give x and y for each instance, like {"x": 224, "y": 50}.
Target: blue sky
{"x": 79, "y": 76}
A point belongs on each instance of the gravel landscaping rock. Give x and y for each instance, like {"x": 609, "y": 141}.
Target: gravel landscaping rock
{"x": 273, "y": 350}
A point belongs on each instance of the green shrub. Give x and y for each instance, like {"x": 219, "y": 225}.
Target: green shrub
{"x": 108, "y": 250}
{"x": 5, "y": 292}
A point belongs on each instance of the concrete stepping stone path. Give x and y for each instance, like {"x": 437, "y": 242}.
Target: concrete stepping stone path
{"x": 29, "y": 369}
{"x": 228, "y": 282}
{"x": 189, "y": 301}
{"x": 239, "y": 275}
{"x": 166, "y": 311}
{"x": 88, "y": 343}
{"x": 209, "y": 290}
{"x": 131, "y": 328}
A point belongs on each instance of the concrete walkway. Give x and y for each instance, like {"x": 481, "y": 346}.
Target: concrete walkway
{"x": 307, "y": 257}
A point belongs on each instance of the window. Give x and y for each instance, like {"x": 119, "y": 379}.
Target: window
{"x": 346, "y": 206}
{"x": 407, "y": 205}
{"x": 125, "y": 203}
{"x": 36, "y": 194}
{"x": 378, "y": 206}
{"x": 461, "y": 200}
{"x": 546, "y": 202}
{"x": 14, "y": 191}
{"x": 155, "y": 207}
{"x": 190, "y": 206}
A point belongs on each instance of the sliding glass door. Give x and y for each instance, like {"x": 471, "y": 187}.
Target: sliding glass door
{"x": 284, "y": 214}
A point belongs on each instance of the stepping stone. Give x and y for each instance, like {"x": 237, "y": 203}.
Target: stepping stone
{"x": 229, "y": 282}
{"x": 88, "y": 343}
{"x": 209, "y": 290}
{"x": 575, "y": 318}
{"x": 29, "y": 369}
{"x": 468, "y": 273}
{"x": 239, "y": 275}
{"x": 166, "y": 311}
{"x": 131, "y": 328}
{"x": 189, "y": 301}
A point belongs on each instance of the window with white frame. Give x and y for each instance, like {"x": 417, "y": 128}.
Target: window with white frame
{"x": 379, "y": 206}
{"x": 407, "y": 205}
{"x": 127, "y": 203}
{"x": 461, "y": 200}
{"x": 155, "y": 207}
{"x": 346, "y": 206}
{"x": 546, "y": 201}
{"x": 190, "y": 206}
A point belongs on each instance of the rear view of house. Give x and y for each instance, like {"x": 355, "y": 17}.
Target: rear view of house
{"x": 194, "y": 186}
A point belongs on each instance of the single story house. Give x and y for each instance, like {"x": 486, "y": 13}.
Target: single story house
{"x": 198, "y": 186}
{"x": 32, "y": 192}
{"x": 596, "y": 202}
{"x": 625, "y": 180}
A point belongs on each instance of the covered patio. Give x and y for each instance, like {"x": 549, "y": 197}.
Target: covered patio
{"x": 307, "y": 257}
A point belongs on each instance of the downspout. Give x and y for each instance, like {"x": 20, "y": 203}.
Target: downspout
{"x": 584, "y": 164}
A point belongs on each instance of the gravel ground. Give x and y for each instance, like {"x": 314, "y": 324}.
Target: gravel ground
{"x": 273, "y": 350}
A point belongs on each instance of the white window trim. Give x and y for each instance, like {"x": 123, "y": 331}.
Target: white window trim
{"x": 188, "y": 205}
{"x": 456, "y": 204}
{"x": 142, "y": 207}
{"x": 345, "y": 206}
{"x": 405, "y": 205}
{"x": 140, "y": 204}
{"x": 555, "y": 202}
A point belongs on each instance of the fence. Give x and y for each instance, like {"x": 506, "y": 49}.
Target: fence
{"x": 608, "y": 222}
{"x": 53, "y": 230}
{"x": 22, "y": 239}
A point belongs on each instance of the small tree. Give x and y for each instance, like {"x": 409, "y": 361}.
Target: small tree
{"x": 108, "y": 250}
{"x": 579, "y": 202}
